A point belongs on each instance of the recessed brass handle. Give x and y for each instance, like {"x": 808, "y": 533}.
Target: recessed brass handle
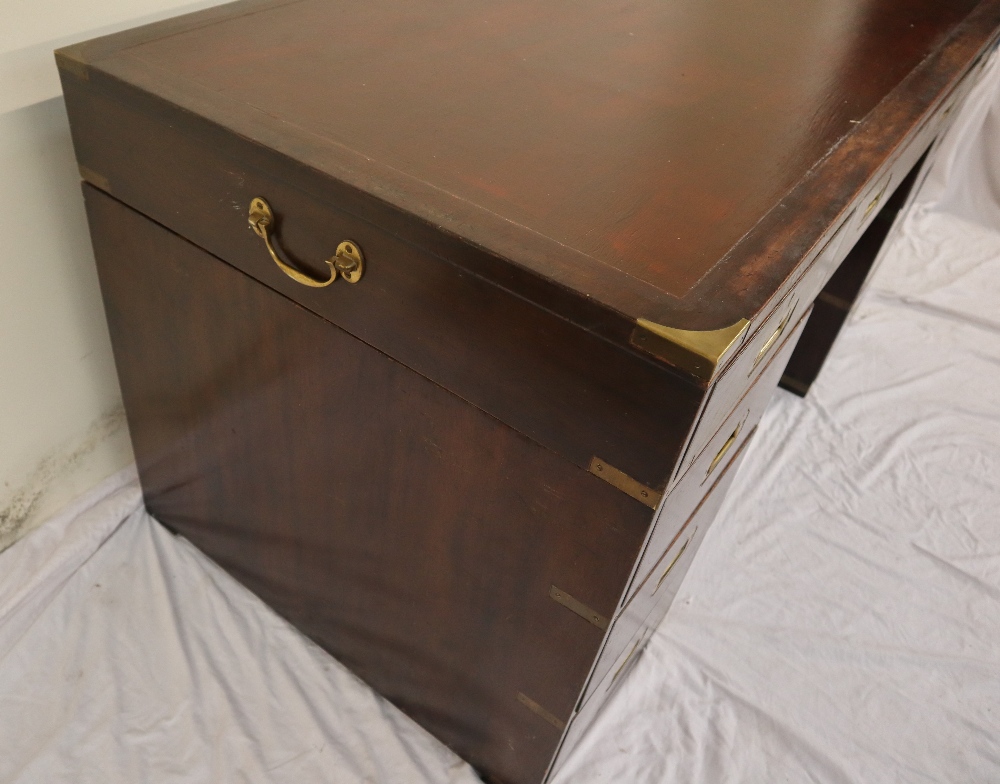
{"x": 348, "y": 261}
{"x": 631, "y": 654}
{"x": 673, "y": 563}
{"x": 772, "y": 341}
{"x": 725, "y": 448}
{"x": 878, "y": 198}
{"x": 872, "y": 205}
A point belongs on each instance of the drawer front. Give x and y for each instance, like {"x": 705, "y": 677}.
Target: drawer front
{"x": 660, "y": 586}
{"x": 653, "y": 593}
{"x": 615, "y": 666}
{"x": 588, "y": 713}
{"x": 747, "y": 412}
{"x": 872, "y": 200}
{"x": 647, "y": 608}
{"x": 729, "y": 437}
{"x": 755, "y": 354}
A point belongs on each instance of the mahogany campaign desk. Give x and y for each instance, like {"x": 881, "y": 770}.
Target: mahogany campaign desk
{"x": 444, "y": 326}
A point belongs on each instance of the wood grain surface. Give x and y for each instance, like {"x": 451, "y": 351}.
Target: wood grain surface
{"x": 400, "y": 467}
{"x": 843, "y": 289}
{"x": 671, "y": 161}
{"x": 410, "y": 534}
{"x": 565, "y": 387}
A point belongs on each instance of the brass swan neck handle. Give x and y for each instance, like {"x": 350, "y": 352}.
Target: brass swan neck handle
{"x": 348, "y": 260}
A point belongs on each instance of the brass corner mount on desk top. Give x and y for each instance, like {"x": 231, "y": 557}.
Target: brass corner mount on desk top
{"x": 700, "y": 353}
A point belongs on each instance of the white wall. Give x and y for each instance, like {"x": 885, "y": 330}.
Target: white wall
{"x": 61, "y": 422}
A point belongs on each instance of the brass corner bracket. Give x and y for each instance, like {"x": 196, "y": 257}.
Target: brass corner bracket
{"x": 700, "y": 353}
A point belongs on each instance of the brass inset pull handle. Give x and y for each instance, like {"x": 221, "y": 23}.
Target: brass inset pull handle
{"x": 673, "y": 563}
{"x": 771, "y": 341}
{"x": 725, "y": 448}
{"x": 348, "y": 260}
{"x": 875, "y": 202}
{"x": 872, "y": 205}
{"x": 631, "y": 653}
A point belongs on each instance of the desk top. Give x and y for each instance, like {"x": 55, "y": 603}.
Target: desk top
{"x": 666, "y": 160}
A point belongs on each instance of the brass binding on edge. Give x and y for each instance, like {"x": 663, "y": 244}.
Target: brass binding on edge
{"x": 625, "y": 483}
{"x": 579, "y": 608}
{"x": 69, "y": 62}
{"x": 95, "y": 179}
{"x": 699, "y": 353}
{"x": 535, "y": 708}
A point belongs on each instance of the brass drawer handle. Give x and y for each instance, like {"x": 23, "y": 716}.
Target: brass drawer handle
{"x": 725, "y": 448}
{"x": 673, "y": 563}
{"x": 878, "y": 198}
{"x": 631, "y": 653}
{"x": 348, "y": 261}
{"x": 872, "y": 205}
{"x": 773, "y": 340}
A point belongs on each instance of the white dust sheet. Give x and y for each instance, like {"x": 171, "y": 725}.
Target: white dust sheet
{"x": 841, "y": 622}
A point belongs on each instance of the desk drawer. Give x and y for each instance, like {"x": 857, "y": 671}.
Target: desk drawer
{"x": 764, "y": 343}
{"x": 712, "y": 463}
{"x": 631, "y": 617}
{"x": 747, "y": 412}
{"x": 657, "y": 588}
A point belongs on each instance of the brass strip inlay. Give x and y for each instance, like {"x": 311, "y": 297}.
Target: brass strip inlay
{"x": 700, "y": 353}
{"x": 831, "y": 299}
{"x": 625, "y": 483}
{"x": 535, "y": 708}
{"x": 579, "y": 608}
{"x": 94, "y": 178}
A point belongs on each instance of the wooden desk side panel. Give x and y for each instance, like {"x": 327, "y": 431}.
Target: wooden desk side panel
{"x": 555, "y": 381}
{"x": 409, "y": 533}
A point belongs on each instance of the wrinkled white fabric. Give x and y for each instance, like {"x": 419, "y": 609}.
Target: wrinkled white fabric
{"x": 841, "y": 622}
{"x": 965, "y": 180}
{"x": 126, "y": 656}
